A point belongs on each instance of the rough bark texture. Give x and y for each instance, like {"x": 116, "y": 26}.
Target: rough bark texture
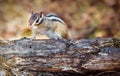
{"x": 98, "y": 56}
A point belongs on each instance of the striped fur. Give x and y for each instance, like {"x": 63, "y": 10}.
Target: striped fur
{"x": 50, "y": 24}
{"x": 35, "y": 18}
{"x": 54, "y": 17}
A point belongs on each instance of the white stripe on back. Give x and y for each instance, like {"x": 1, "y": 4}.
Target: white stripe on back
{"x": 56, "y": 18}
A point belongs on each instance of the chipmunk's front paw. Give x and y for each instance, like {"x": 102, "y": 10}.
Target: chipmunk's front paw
{"x": 31, "y": 39}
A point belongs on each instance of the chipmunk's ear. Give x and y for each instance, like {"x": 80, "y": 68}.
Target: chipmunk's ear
{"x": 41, "y": 14}
{"x": 32, "y": 12}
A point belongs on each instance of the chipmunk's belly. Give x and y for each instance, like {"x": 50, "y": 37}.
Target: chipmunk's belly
{"x": 41, "y": 30}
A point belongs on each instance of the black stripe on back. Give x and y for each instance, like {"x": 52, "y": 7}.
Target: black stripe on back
{"x": 56, "y": 20}
{"x": 51, "y": 15}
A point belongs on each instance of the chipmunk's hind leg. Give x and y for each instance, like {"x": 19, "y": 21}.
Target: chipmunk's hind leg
{"x": 57, "y": 35}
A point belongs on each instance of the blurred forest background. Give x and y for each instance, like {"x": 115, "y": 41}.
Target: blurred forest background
{"x": 84, "y": 18}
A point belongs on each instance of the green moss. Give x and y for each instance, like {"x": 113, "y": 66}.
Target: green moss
{"x": 27, "y": 32}
{"x": 116, "y": 42}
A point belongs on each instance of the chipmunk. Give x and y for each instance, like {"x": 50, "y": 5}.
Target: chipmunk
{"x": 50, "y": 25}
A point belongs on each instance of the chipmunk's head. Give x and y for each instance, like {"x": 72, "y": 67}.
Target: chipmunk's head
{"x": 35, "y": 19}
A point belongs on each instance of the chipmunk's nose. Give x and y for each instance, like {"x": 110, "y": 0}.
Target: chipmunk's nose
{"x": 30, "y": 27}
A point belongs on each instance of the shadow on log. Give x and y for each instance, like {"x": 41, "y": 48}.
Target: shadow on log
{"x": 97, "y": 57}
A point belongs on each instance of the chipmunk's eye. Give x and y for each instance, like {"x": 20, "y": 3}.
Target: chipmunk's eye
{"x": 37, "y": 20}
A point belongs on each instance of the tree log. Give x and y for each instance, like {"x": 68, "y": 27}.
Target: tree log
{"x": 97, "y": 56}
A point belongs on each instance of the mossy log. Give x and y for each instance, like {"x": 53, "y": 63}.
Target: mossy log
{"x": 97, "y": 56}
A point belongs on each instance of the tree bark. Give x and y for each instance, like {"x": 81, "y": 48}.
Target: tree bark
{"x": 97, "y": 56}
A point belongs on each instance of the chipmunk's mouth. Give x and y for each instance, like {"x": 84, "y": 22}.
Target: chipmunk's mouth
{"x": 33, "y": 27}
